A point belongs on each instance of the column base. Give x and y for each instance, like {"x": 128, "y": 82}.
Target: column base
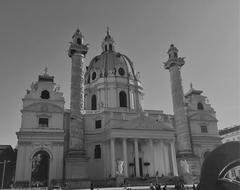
{"x": 120, "y": 180}
{"x": 76, "y": 165}
{"x": 189, "y": 167}
{"x": 77, "y": 183}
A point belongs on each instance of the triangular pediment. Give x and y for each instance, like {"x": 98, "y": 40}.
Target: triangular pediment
{"x": 202, "y": 117}
{"x": 43, "y": 107}
{"x": 144, "y": 122}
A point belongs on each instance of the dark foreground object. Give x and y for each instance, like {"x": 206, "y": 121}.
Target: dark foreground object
{"x": 212, "y": 176}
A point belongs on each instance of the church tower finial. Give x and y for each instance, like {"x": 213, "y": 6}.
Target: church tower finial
{"x": 108, "y": 31}
{"x": 77, "y": 45}
{"x": 45, "y": 71}
{"x": 108, "y": 42}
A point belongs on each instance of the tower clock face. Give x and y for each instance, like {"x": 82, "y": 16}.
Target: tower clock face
{"x": 121, "y": 71}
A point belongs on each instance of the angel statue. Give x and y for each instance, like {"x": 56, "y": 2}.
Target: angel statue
{"x": 120, "y": 167}
{"x": 185, "y": 166}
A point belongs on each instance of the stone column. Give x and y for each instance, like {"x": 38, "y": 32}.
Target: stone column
{"x": 136, "y": 158}
{"x": 112, "y": 147}
{"x": 163, "y": 171}
{"x": 174, "y": 65}
{"x": 125, "y": 170}
{"x": 76, "y": 160}
{"x": 166, "y": 158}
{"x": 163, "y": 162}
{"x": 173, "y": 155}
{"x": 77, "y": 52}
{"x": 153, "y": 156}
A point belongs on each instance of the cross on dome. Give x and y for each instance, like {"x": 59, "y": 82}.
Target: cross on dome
{"x": 108, "y": 31}
{"x": 191, "y": 86}
{"x": 45, "y": 71}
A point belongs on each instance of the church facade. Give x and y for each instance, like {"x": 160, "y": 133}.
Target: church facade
{"x": 106, "y": 133}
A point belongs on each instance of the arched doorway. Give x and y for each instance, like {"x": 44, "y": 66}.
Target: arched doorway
{"x": 40, "y": 169}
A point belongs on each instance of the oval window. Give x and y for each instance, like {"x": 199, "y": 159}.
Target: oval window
{"x": 45, "y": 94}
{"x": 121, "y": 71}
{"x": 94, "y": 76}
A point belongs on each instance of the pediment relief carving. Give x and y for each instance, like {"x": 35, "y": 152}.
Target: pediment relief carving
{"x": 144, "y": 122}
{"x": 43, "y": 107}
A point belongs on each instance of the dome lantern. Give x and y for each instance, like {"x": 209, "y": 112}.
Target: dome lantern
{"x": 108, "y": 42}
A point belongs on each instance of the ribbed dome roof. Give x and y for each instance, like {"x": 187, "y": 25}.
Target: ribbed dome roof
{"x": 111, "y": 63}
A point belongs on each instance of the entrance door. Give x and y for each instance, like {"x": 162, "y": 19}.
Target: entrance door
{"x": 40, "y": 169}
{"x": 140, "y": 167}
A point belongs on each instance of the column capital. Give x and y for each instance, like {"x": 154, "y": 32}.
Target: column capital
{"x": 166, "y": 141}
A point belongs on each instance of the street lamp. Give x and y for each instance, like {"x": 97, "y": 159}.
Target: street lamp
{"x": 4, "y": 168}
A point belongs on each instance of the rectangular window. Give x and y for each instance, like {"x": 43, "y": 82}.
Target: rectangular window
{"x": 204, "y": 129}
{"x": 98, "y": 124}
{"x": 43, "y": 122}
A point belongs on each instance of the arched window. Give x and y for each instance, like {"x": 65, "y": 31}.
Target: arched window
{"x": 123, "y": 99}
{"x": 105, "y": 47}
{"x": 97, "y": 151}
{"x": 200, "y": 106}
{"x": 88, "y": 79}
{"x": 110, "y": 47}
{"x": 175, "y": 54}
{"x": 94, "y": 75}
{"x": 79, "y": 41}
{"x": 94, "y": 102}
{"x": 45, "y": 94}
{"x": 40, "y": 169}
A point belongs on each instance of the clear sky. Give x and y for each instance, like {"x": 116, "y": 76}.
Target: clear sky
{"x": 36, "y": 34}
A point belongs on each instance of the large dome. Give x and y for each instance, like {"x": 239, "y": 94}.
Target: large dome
{"x": 111, "y": 82}
{"x": 109, "y": 64}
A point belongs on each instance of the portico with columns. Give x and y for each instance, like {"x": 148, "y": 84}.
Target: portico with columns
{"x": 145, "y": 149}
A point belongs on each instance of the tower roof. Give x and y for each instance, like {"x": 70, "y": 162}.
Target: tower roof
{"x": 45, "y": 77}
{"x": 193, "y": 91}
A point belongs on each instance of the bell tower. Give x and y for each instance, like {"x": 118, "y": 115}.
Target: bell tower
{"x": 76, "y": 160}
